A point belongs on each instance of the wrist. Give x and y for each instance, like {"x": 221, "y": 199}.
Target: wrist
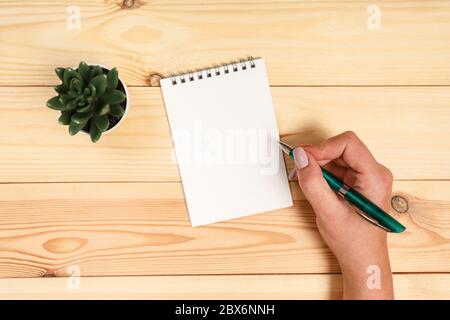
{"x": 359, "y": 256}
{"x": 370, "y": 278}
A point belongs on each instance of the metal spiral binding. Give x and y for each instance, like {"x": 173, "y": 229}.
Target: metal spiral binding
{"x": 215, "y": 71}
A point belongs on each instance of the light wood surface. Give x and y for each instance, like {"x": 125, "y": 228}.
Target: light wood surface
{"x": 408, "y": 132}
{"x": 115, "y": 211}
{"x": 143, "y": 229}
{"x": 289, "y": 287}
{"x": 304, "y": 42}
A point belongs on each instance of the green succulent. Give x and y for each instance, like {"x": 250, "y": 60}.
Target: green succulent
{"x": 87, "y": 99}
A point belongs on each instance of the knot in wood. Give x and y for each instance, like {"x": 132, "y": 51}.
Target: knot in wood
{"x": 154, "y": 79}
{"x": 128, "y": 4}
{"x": 399, "y": 204}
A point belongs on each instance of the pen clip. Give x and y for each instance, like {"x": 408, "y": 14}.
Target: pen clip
{"x": 369, "y": 219}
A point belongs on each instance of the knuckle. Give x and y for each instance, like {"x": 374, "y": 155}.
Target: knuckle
{"x": 386, "y": 176}
{"x": 350, "y": 135}
{"x": 352, "y": 138}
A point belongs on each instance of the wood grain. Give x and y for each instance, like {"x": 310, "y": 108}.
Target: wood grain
{"x": 407, "y": 286}
{"x": 126, "y": 226}
{"x": 304, "y": 42}
{"x": 110, "y": 229}
{"x": 406, "y": 129}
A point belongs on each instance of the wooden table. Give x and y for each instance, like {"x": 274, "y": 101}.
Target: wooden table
{"x": 114, "y": 212}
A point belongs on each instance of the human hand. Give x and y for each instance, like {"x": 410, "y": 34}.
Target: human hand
{"x": 357, "y": 244}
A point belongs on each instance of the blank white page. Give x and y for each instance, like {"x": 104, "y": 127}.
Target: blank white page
{"x": 226, "y": 142}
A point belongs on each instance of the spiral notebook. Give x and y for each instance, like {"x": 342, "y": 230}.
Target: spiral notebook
{"x": 225, "y": 136}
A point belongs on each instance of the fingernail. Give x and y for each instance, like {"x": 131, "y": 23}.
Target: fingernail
{"x": 300, "y": 157}
{"x": 292, "y": 174}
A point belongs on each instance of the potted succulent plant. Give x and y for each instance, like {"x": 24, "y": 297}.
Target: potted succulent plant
{"x": 91, "y": 98}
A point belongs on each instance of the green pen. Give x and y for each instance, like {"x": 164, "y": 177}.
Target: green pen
{"x": 366, "y": 208}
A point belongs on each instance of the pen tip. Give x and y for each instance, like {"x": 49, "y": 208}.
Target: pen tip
{"x": 285, "y": 147}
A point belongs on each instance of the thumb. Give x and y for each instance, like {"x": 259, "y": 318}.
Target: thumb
{"x": 312, "y": 183}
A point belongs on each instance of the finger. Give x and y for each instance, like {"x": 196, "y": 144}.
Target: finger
{"x": 323, "y": 162}
{"x": 336, "y": 170}
{"x": 376, "y": 187}
{"x": 341, "y": 162}
{"x": 348, "y": 147}
{"x": 349, "y": 176}
{"x": 312, "y": 183}
{"x": 293, "y": 175}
